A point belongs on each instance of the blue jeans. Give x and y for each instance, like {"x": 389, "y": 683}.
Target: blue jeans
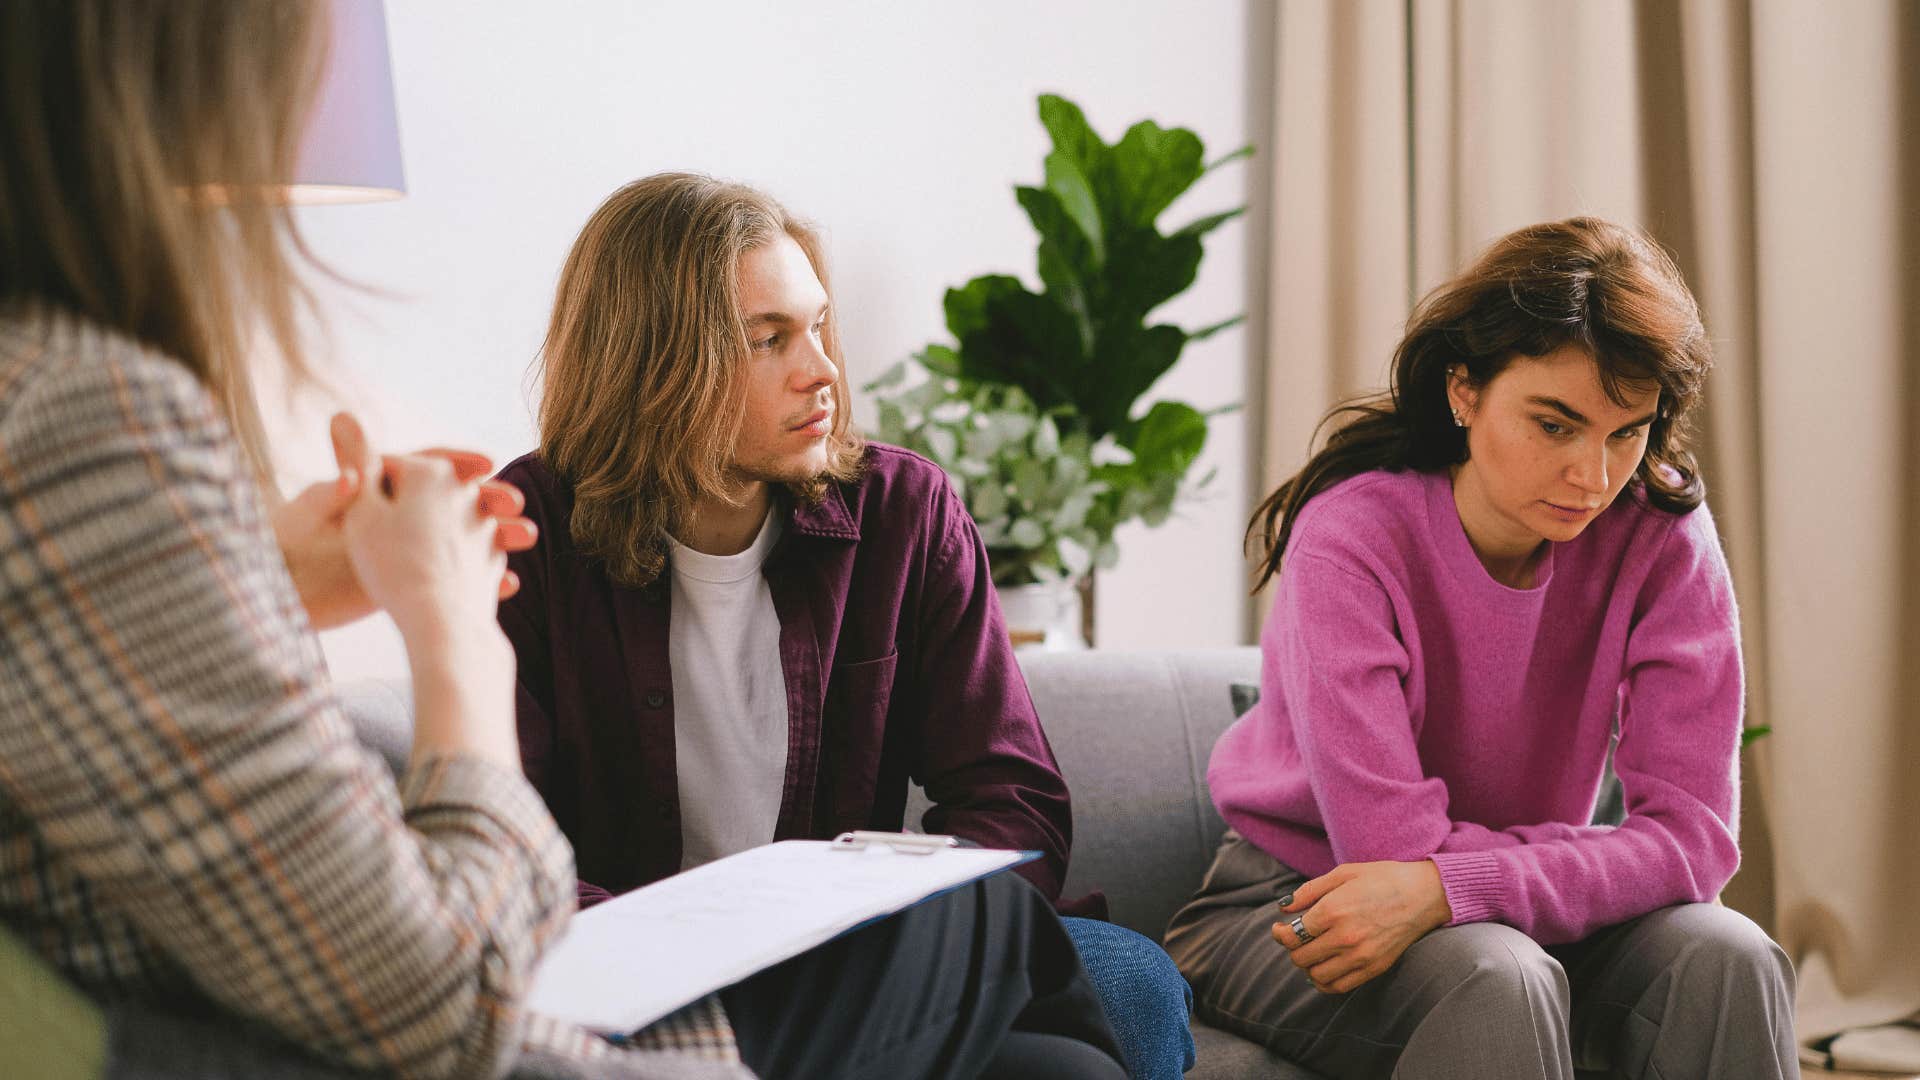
{"x": 1146, "y": 1001}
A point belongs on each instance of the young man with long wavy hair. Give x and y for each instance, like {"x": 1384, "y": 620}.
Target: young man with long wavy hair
{"x": 744, "y": 623}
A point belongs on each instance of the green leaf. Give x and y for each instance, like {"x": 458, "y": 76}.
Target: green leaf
{"x": 1067, "y": 257}
{"x": 1244, "y": 152}
{"x": 1069, "y": 184}
{"x": 888, "y": 379}
{"x": 1167, "y": 439}
{"x": 893, "y": 426}
{"x": 1129, "y": 359}
{"x": 1029, "y": 481}
{"x": 1206, "y": 332}
{"x": 1107, "y": 450}
{"x": 1073, "y": 512}
{"x": 1010, "y": 335}
{"x": 1046, "y": 438}
{"x": 1151, "y": 166}
{"x": 1012, "y": 427}
{"x": 1145, "y": 271}
{"x": 940, "y": 360}
{"x": 921, "y": 398}
{"x": 1075, "y": 558}
{"x": 1202, "y": 226}
{"x": 980, "y": 443}
{"x": 1027, "y": 533}
{"x": 1017, "y": 400}
{"x": 1071, "y": 469}
{"x": 969, "y": 306}
{"x": 950, "y": 412}
{"x": 942, "y": 446}
{"x": 1071, "y": 133}
{"x": 1758, "y": 731}
{"x": 989, "y": 502}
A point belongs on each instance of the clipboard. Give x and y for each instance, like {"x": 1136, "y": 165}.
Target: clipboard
{"x": 629, "y": 961}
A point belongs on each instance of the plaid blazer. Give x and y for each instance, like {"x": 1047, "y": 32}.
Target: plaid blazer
{"x": 185, "y": 812}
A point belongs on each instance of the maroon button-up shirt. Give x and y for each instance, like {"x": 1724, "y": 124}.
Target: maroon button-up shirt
{"x": 897, "y": 666}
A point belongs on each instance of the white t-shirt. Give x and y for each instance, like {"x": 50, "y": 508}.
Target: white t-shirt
{"x": 729, "y": 699}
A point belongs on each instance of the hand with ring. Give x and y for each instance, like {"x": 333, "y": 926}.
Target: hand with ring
{"x": 1364, "y": 916}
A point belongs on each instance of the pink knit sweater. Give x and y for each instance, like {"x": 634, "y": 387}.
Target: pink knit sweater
{"x": 1411, "y": 707}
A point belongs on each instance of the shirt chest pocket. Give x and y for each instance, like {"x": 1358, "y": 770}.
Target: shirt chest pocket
{"x": 858, "y": 698}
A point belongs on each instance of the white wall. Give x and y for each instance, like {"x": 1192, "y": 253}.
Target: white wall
{"x": 899, "y": 127}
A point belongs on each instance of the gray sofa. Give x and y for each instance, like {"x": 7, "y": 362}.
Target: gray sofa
{"x": 1132, "y": 732}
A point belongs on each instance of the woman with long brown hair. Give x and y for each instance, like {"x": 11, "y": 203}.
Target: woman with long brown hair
{"x": 188, "y": 829}
{"x": 1486, "y": 572}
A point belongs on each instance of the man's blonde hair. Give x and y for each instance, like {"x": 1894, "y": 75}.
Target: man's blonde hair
{"x": 643, "y": 364}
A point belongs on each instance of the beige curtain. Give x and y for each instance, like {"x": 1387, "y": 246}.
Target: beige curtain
{"x": 1772, "y": 147}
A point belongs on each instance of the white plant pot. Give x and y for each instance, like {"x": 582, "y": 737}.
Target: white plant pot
{"x": 1042, "y": 616}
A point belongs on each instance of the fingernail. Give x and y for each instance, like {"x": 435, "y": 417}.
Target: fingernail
{"x": 1287, "y": 900}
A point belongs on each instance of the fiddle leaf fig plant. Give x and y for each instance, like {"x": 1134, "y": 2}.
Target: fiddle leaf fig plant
{"x": 1081, "y": 352}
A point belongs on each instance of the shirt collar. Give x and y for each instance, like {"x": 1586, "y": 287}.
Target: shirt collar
{"x": 829, "y": 518}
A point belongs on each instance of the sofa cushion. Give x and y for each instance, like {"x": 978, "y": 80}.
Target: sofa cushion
{"x": 1244, "y": 696}
{"x": 1222, "y": 1055}
{"x": 1132, "y": 732}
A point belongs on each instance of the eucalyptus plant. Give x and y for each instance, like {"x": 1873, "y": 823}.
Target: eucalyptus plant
{"x": 1082, "y": 351}
{"x": 1029, "y": 487}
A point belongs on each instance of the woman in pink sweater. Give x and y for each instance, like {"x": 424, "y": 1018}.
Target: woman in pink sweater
{"x": 1487, "y": 571}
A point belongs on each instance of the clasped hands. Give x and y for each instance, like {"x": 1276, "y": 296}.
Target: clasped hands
{"x": 312, "y": 526}
{"x": 1359, "y": 918}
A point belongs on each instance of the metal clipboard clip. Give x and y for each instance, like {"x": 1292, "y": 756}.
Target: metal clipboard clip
{"x": 903, "y": 843}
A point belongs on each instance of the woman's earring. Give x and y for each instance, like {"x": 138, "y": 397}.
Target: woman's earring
{"x": 1457, "y": 422}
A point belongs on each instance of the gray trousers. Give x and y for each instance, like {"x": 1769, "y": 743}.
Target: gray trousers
{"x": 1693, "y": 992}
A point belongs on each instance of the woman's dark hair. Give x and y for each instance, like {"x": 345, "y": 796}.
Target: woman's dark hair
{"x": 1585, "y": 282}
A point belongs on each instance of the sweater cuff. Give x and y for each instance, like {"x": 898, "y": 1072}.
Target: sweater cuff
{"x": 1475, "y": 884}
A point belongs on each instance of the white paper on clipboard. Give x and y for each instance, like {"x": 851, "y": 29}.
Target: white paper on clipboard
{"x": 629, "y": 961}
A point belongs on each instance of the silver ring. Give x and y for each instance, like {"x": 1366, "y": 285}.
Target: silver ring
{"x": 1299, "y": 924}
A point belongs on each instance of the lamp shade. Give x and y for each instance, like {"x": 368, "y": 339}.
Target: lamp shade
{"x": 350, "y": 151}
